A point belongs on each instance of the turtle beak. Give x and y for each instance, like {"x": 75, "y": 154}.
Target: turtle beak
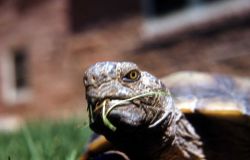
{"x": 127, "y": 117}
{"x": 92, "y": 103}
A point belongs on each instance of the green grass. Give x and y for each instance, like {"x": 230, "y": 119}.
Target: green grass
{"x": 45, "y": 140}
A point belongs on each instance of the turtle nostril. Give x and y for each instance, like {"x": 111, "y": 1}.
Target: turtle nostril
{"x": 98, "y": 103}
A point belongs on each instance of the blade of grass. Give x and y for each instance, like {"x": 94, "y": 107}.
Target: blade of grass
{"x": 125, "y": 101}
{"x": 30, "y": 143}
{"x": 72, "y": 155}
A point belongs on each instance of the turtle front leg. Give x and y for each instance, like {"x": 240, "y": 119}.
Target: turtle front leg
{"x": 101, "y": 149}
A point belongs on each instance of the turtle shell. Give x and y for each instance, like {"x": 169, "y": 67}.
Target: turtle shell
{"x": 210, "y": 94}
{"x": 218, "y": 106}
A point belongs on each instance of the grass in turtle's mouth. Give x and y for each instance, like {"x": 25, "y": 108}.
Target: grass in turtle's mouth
{"x": 105, "y": 111}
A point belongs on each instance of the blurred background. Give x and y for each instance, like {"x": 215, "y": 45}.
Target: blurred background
{"x": 46, "y": 45}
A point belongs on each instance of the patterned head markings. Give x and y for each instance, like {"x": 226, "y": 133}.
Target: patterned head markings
{"x": 109, "y": 79}
{"x": 116, "y": 81}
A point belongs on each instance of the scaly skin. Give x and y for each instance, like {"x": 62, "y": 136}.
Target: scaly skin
{"x": 146, "y": 128}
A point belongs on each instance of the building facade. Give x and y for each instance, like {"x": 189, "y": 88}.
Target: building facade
{"x": 45, "y": 46}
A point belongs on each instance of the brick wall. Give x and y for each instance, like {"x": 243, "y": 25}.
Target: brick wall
{"x": 54, "y": 67}
{"x": 58, "y": 57}
{"x": 40, "y": 30}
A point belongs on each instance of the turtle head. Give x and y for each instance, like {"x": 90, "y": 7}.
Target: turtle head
{"x": 123, "y": 98}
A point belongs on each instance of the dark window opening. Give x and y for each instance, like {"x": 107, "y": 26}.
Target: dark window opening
{"x": 208, "y": 1}
{"x": 156, "y": 8}
{"x": 198, "y": 2}
{"x": 23, "y": 5}
{"x": 163, "y": 6}
{"x": 84, "y": 13}
{"x": 1, "y": 2}
{"x": 20, "y": 66}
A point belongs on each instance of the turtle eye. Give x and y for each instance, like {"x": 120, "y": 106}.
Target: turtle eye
{"x": 131, "y": 76}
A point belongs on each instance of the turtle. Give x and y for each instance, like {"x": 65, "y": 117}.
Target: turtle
{"x": 187, "y": 115}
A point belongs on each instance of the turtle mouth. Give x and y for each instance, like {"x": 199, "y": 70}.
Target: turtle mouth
{"x": 112, "y": 113}
{"x": 127, "y": 113}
